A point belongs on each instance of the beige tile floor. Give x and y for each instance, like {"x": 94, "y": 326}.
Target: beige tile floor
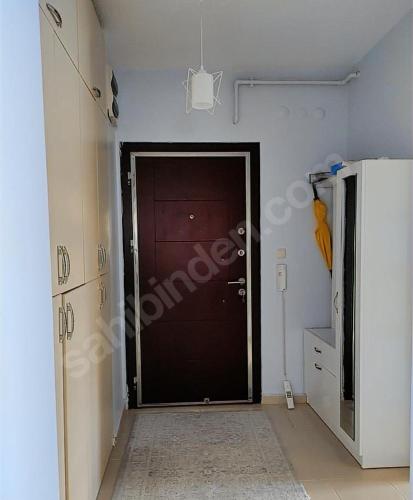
{"x": 324, "y": 466}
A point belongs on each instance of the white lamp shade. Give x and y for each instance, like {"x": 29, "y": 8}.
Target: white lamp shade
{"x": 202, "y": 90}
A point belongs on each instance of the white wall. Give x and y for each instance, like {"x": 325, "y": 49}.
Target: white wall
{"x": 381, "y": 100}
{"x": 28, "y": 441}
{"x": 152, "y": 108}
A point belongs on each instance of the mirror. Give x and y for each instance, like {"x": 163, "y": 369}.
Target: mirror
{"x": 347, "y": 403}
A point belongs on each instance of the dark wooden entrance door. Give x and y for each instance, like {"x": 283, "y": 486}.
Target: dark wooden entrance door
{"x": 193, "y": 283}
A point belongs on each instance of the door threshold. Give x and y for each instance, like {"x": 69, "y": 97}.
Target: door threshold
{"x": 195, "y": 403}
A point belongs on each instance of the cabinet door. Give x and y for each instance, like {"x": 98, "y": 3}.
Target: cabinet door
{"x": 63, "y": 17}
{"x": 91, "y": 50}
{"x": 61, "y": 106}
{"x": 104, "y": 168}
{"x": 59, "y": 335}
{"x": 80, "y": 307}
{"x": 101, "y": 384}
{"x": 88, "y": 127}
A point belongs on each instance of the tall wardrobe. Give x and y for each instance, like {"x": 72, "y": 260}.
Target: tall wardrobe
{"x": 358, "y": 372}
{"x": 80, "y": 162}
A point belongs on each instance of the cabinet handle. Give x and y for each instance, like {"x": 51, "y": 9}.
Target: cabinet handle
{"x": 55, "y": 14}
{"x": 335, "y": 302}
{"x": 62, "y": 324}
{"x": 105, "y": 294}
{"x": 104, "y": 256}
{"x": 100, "y": 257}
{"x": 318, "y": 367}
{"x": 101, "y": 296}
{"x": 66, "y": 258}
{"x": 318, "y": 351}
{"x": 97, "y": 92}
{"x": 70, "y": 330}
{"x": 60, "y": 265}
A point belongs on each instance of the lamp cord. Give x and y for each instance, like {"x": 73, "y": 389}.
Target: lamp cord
{"x": 284, "y": 334}
{"x": 202, "y": 36}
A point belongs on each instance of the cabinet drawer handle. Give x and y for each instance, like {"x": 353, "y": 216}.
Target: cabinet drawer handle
{"x": 317, "y": 350}
{"x": 97, "y": 92}
{"x": 55, "y": 14}
{"x": 318, "y": 367}
{"x": 70, "y": 330}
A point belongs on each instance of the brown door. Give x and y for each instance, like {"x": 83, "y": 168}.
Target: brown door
{"x": 193, "y": 285}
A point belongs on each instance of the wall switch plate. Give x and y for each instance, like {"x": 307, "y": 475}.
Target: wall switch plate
{"x": 281, "y": 253}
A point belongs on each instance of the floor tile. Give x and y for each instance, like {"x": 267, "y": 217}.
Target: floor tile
{"x": 365, "y": 490}
{"x": 403, "y": 487}
{"x": 320, "y": 490}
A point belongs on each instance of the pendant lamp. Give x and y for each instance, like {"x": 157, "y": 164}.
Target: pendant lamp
{"x": 202, "y": 88}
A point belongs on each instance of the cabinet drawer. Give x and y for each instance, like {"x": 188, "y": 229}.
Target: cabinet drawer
{"x": 322, "y": 393}
{"x": 321, "y": 353}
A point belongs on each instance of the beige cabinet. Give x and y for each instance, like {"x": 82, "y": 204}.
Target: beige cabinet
{"x": 59, "y": 337}
{"x": 62, "y": 15}
{"x": 79, "y": 306}
{"x": 62, "y": 126}
{"x": 88, "y": 129}
{"x": 104, "y": 165}
{"x": 83, "y": 360}
{"x": 92, "y": 65}
{"x": 101, "y": 386}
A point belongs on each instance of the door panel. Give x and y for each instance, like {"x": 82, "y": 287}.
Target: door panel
{"x": 92, "y": 51}
{"x": 184, "y": 179}
{"x": 61, "y": 107}
{"x": 80, "y": 307}
{"x": 194, "y": 341}
{"x": 104, "y": 162}
{"x": 88, "y": 126}
{"x": 59, "y": 332}
{"x": 177, "y": 256}
{"x": 101, "y": 385}
{"x": 67, "y": 31}
{"x": 190, "y": 220}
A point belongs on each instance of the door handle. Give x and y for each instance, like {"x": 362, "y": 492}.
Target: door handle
{"x": 69, "y": 331}
{"x": 318, "y": 367}
{"x": 317, "y": 350}
{"x": 55, "y": 14}
{"x": 241, "y": 281}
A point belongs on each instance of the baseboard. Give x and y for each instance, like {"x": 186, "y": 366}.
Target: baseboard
{"x": 118, "y": 419}
{"x": 279, "y": 399}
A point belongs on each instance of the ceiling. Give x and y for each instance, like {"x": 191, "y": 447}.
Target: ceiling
{"x": 285, "y": 37}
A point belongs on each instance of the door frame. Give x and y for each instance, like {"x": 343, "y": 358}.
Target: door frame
{"x": 129, "y": 153}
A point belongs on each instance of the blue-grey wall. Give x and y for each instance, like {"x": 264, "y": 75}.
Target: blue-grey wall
{"x": 28, "y": 434}
{"x": 381, "y": 101}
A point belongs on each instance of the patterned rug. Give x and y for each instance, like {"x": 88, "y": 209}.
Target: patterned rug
{"x": 203, "y": 455}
